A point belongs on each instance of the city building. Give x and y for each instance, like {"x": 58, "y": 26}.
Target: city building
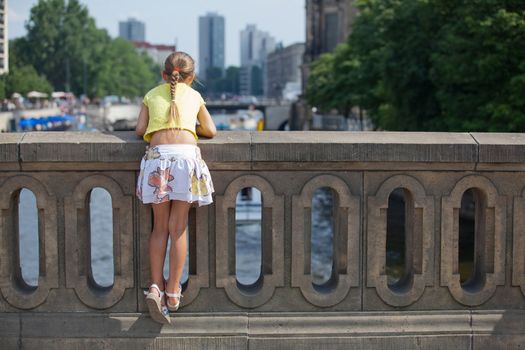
{"x": 132, "y": 29}
{"x": 211, "y": 43}
{"x": 328, "y": 23}
{"x": 158, "y": 53}
{"x": 283, "y": 72}
{"x": 255, "y": 46}
{"x": 4, "y": 42}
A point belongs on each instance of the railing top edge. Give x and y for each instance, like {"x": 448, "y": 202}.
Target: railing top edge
{"x": 275, "y": 146}
{"x": 347, "y": 137}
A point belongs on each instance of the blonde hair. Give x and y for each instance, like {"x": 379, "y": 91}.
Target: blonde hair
{"x": 178, "y": 67}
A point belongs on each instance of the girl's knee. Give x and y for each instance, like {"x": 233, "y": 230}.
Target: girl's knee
{"x": 160, "y": 232}
{"x": 176, "y": 229}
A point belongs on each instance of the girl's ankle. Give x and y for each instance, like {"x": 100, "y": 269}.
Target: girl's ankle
{"x": 177, "y": 287}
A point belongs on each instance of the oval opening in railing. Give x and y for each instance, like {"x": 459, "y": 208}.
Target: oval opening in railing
{"x": 396, "y": 238}
{"x": 248, "y": 236}
{"x": 322, "y": 236}
{"x": 471, "y": 202}
{"x": 101, "y": 238}
{"x": 28, "y": 240}
{"x": 185, "y": 271}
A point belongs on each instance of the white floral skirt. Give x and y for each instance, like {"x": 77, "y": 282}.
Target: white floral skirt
{"x": 174, "y": 172}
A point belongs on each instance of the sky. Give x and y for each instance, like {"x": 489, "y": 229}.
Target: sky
{"x": 170, "y": 21}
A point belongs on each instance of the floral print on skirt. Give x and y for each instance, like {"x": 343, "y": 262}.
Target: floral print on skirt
{"x": 174, "y": 172}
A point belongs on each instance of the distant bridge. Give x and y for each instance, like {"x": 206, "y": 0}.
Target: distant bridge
{"x": 230, "y": 105}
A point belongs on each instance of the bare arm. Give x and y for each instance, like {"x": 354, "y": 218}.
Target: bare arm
{"x": 142, "y": 123}
{"x": 207, "y": 126}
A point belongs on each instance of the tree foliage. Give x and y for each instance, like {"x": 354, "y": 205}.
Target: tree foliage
{"x": 22, "y": 78}
{"x": 218, "y": 82}
{"x": 429, "y": 65}
{"x": 64, "y": 44}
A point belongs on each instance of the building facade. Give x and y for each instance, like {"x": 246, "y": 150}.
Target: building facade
{"x": 328, "y": 23}
{"x": 133, "y": 30}
{"x": 4, "y": 42}
{"x": 255, "y": 46}
{"x": 283, "y": 71}
{"x": 211, "y": 43}
{"x": 158, "y": 53}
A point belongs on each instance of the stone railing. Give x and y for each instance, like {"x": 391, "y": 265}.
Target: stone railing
{"x": 428, "y": 308}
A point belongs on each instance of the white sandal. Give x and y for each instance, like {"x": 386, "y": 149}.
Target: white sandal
{"x": 174, "y": 295}
{"x": 157, "y": 311}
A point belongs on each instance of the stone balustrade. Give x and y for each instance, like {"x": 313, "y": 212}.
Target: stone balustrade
{"x": 429, "y": 308}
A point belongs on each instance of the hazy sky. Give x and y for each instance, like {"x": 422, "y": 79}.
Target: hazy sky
{"x": 168, "y": 21}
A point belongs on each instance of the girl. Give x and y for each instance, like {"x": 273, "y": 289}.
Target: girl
{"x": 173, "y": 176}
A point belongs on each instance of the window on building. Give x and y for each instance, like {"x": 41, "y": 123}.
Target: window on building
{"x": 331, "y": 32}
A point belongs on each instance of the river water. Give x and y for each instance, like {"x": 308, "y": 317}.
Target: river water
{"x": 248, "y": 238}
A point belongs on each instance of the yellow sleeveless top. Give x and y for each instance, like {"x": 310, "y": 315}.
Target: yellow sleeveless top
{"x": 158, "y": 101}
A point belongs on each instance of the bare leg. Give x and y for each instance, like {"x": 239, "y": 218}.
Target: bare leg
{"x": 178, "y": 222}
{"x": 158, "y": 241}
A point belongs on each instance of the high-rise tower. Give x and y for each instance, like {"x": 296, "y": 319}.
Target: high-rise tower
{"x": 211, "y": 43}
{"x": 132, "y": 30}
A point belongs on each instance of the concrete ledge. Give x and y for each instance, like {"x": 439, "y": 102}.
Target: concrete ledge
{"x": 9, "y": 155}
{"x": 336, "y": 146}
{"x": 271, "y": 149}
{"x": 500, "y": 147}
{"x": 80, "y": 147}
{"x": 370, "y": 330}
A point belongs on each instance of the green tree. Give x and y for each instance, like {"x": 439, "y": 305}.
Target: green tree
{"x": 22, "y": 77}
{"x": 118, "y": 70}
{"x": 430, "y": 65}
{"x": 257, "y": 81}
{"x": 64, "y": 44}
{"x": 214, "y": 84}
{"x": 320, "y": 87}
{"x": 218, "y": 81}
{"x": 479, "y": 65}
{"x": 231, "y": 84}
{"x": 328, "y": 84}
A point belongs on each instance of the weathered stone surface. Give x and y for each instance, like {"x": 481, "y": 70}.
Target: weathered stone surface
{"x": 220, "y": 343}
{"x": 9, "y": 325}
{"x": 506, "y": 322}
{"x": 327, "y": 330}
{"x": 419, "y": 238}
{"x": 310, "y": 146}
{"x": 461, "y": 342}
{"x": 226, "y": 147}
{"x": 498, "y": 342}
{"x": 86, "y": 325}
{"x": 500, "y": 147}
{"x": 271, "y": 240}
{"x": 498, "y": 330}
{"x": 436, "y": 167}
{"x": 8, "y": 144}
{"x": 392, "y": 330}
{"x": 9, "y": 149}
{"x": 358, "y": 324}
{"x": 346, "y": 242}
{"x": 81, "y": 147}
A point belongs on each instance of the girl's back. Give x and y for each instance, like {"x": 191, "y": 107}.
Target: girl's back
{"x": 171, "y": 111}
{"x": 158, "y": 101}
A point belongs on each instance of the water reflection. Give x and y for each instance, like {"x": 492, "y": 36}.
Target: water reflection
{"x": 248, "y": 216}
{"x": 322, "y": 235}
{"x": 28, "y": 231}
{"x": 101, "y": 227}
{"x": 248, "y": 268}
